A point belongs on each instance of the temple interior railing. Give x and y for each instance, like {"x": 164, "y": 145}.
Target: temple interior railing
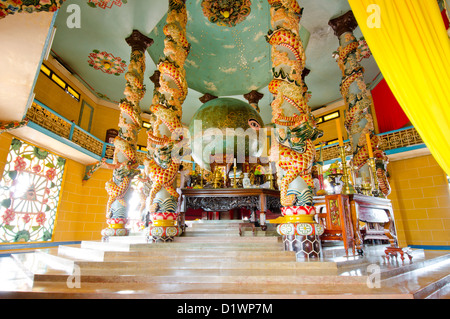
{"x": 51, "y": 121}
{"x": 391, "y": 142}
{"x": 397, "y": 141}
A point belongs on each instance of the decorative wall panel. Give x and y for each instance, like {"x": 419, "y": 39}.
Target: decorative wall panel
{"x": 29, "y": 194}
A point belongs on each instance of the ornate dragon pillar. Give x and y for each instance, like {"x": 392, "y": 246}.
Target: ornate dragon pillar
{"x": 295, "y": 132}
{"x": 163, "y": 161}
{"x": 125, "y": 163}
{"x": 358, "y": 98}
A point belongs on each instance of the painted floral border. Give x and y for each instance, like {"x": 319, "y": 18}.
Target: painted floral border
{"x": 104, "y": 4}
{"x": 14, "y": 6}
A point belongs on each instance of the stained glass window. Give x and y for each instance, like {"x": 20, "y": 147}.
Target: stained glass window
{"x": 29, "y": 194}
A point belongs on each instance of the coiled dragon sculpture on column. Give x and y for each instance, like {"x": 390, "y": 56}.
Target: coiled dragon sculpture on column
{"x": 170, "y": 92}
{"x": 358, "y": 98}
{"x": 295, "y": 131}
{"x": 125, "y": 163}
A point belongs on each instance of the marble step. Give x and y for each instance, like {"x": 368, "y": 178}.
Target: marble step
{"x": 134, "y": 266}
{"x": 423, "y": 278}
{"x": 200, "y": 227}
{"x": 135, "y": 239}
{"x": 268, "y": 239}
{"x": 106, "y": 246}
{"x": 189, "y": 245}
{"x": 187, "y": 291}
{"x": 219, "y": 234}
{"x": 294, "y": 283}
{"x": 220, "y": 221}
{"x": 78, "y": 253}
{"x": 212, "y": 230}
{"x": 212, "y": 277}
{"x": 220, "y": 246}
{"x": 41, "y": 261}
{"x": 202, "y": 254}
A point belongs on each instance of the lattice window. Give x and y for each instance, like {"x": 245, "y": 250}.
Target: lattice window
{"x": 29, "y": 194}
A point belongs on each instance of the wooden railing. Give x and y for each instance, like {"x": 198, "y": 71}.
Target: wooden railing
{"x": 48, "y": 119}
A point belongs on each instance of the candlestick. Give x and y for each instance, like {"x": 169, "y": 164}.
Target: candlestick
{"x": 347, "y": 188}
{"x": 374, "y": 178}
{"x": 217, "y": 178}
{"x": 234, "y": 177}
{"x": 339, "y": 132}
{"x": 202, "y": 172}
{"x": 369, "y": 145}
{"x": 234, "y": 162}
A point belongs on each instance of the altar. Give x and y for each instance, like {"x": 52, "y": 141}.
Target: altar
{"x": 257, "y": 200}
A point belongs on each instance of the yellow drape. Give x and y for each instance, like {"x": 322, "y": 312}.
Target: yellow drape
{"x": 411, "y": 47}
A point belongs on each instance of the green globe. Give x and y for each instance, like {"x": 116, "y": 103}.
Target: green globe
{"x": 226, "y": 128}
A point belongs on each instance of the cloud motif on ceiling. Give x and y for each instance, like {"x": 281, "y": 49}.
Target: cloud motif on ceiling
{"x": 192, "y": 63}
{"x": 229, "y": 46}
{"x": 210, "y": 86}
{"x": 258, "y": 58}
{"x": 192, "y": 38}
{"x": 259, "y": 35}
{"x": 228, "y": 70}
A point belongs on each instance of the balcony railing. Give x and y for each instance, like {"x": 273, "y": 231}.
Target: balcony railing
{"x": 391, "y": 142}
{"x": 66, "y": 130}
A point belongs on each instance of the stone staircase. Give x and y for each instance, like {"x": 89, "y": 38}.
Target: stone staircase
{"x": 211, "y": 260}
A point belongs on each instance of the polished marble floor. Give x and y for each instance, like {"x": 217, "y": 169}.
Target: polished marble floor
{"x": 226, "y": 267}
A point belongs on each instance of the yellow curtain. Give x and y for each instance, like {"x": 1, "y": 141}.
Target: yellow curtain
{"x": 411, "y": 47}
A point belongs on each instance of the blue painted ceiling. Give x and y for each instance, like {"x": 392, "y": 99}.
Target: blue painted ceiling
{"x": 224, "y": 61}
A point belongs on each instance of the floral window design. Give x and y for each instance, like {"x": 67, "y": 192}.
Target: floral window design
{"x": 29, "y": 194}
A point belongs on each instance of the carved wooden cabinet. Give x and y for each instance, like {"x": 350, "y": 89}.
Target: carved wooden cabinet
{"x": 337, "y": 220}
{"x": 342, "y": 214}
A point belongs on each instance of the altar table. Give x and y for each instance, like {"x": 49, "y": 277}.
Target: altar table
{"x": 341, "y": 215}
{"x": 225, "y": 199}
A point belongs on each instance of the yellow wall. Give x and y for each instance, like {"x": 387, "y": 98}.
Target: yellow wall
{"x": 329, "y": 128}
{"x": 421, "y": 201}
{"x": 53, "y": 96}
{"x": 5, "y": 143}
{"x": 81, "y": 214}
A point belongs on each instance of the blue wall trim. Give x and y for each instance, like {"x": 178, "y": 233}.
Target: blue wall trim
{"x": 18, "y": 247}
{"x": 430, "y": 247}
{"x": 36, "y": 245}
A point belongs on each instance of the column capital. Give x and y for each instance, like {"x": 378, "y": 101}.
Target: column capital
{"x": 253, "y": 97}
{"x": 155, "y": 78}
{"x": 138, "y": 41}
{"x": 344, "y": 23}
{"x": 207, "y": 97}
{"x": 305, "y": 73}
